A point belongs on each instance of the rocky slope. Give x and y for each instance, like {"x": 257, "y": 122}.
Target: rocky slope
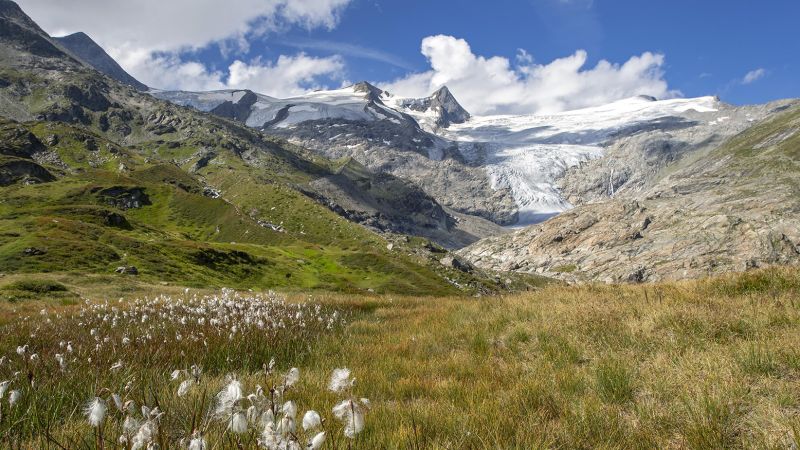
{"x": 88, "y": 52}
{"x": 723, "y": 208}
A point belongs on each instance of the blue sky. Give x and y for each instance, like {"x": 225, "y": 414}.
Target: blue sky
{"x": 709, "y": 45}
{"x": 679, "y": 47}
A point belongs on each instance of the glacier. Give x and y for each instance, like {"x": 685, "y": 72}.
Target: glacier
{"x": 528, "y": 153}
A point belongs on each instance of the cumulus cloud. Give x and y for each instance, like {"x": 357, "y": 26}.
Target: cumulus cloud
{"x": 754, "y": 75}
{"x": 152, "y": 39}
{"x": 491, "y": 85}
{"x": 290, "y": 75}
{"x": 169, "y": 25}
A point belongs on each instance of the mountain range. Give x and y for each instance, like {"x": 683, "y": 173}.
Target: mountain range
{"x": 637, "y": 190}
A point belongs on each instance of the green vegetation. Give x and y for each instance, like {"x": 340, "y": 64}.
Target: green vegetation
{"x": 36, "y": 286}
{"x": 150, "y": 206}
{"x": 568, "y": 268}
{"x": 701, "y": 364}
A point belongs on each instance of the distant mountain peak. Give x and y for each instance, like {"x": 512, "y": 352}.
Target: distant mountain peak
{"x": 373, "y": 93}
{"x": 90, "y": 53}
{"x": 442, "y": 104}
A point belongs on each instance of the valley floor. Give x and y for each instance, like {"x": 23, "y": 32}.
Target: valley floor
{"x": 702, "y": 364}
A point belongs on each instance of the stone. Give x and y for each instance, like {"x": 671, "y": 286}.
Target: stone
{"x": 127, "y": 270}
{"x": 33, "y": 251}
{"x": 452, "y": 262}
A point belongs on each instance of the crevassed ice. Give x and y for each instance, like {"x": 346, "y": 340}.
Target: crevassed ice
{"x": 528, "y": 153}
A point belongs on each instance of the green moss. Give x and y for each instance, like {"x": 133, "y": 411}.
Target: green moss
{"x": 568, "y": 268}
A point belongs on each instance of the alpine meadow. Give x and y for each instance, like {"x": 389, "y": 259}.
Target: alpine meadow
{"x": 211, "y": 237}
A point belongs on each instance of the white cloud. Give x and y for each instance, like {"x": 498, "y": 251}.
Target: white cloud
{"x": 149, "y": 37}
{"x": 754, "y": 75}
{"x": 523, "y": 57}
{"x": 490, "y": 85}
{"x": 171, "y": 25}
{"x": 290, "y": 75}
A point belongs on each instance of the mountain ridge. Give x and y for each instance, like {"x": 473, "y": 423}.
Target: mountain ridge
{"x": 88, "y": 51}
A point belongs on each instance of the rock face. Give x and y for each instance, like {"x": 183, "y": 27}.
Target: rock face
{"x": 124, "y": 197}
{"x": 87, "y": 51}
{"x": 731, "y": 208}
{"x": 238, "y": 111}
{"x": 14, "y": 170}
{"x": 440, "y": 109}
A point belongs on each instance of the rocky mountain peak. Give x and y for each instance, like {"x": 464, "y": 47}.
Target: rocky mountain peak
{"x": 90, "y": 53}
{"x": 451, "y": 110}
{"x": 373, "y": 93}
{"x": 444, "y": 106}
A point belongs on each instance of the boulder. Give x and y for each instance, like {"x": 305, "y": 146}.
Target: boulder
{"x": 127, "y": 270}
{"x": 454, "y": 263}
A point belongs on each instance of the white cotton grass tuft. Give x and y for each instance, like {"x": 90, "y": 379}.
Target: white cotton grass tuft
{"x": 4, "y": 388}
{"x": 317, "y": 441}
{"x": 352, "y": 414}
{"x": 144, "y": 436}
{"x": 311, "y": 420}
{"x": 95, "y": 411}
{"x": 227, "y": 397}
{"x": 118, "y": 402}
{"x": 130, "y": 425}
{"x": 286, "y": 426}
{"x": 184, "y": 387}
{"x": 289, "y": 409}
{"x": 340, "y": 380}
{"x": 238, "y": 423}
{"x": 269, "y": 437}
{"x": 197, "y": 443}
{"x": 62, "y": 362}
{"x": 14, "y": 396}
{"x": 292, "y": 377}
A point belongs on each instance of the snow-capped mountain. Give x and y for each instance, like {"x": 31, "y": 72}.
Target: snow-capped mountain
{"x": 359, "y": 102}
{"x": 440, "y": 110}
{"x": 503, "y": 168}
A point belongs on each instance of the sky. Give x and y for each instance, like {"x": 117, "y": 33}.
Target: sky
{"x": 498, "y": 57}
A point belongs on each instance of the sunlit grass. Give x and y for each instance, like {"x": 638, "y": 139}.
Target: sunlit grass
{"x": 704, "y": 364}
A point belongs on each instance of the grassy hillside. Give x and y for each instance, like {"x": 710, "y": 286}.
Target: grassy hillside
{"x": 702, "y": 364}
{"x": 76, "y": 225}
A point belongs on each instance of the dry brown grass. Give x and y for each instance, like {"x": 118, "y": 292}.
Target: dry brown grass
{"x": 705, "y": 364}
